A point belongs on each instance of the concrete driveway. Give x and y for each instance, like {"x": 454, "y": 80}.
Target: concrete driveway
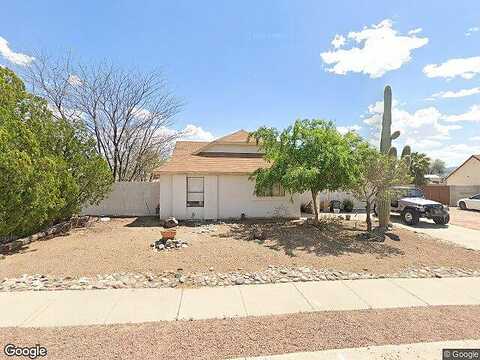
{"x": 459, "y": 235}
{"x": 465, "y": 218}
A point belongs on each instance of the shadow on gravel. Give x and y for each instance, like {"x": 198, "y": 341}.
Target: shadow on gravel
{"x": 145, "y": 221}
{"x": 332, "y": 238}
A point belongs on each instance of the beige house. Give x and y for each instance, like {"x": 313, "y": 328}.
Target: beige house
{"x": 466, "y": 174}
{"x": 210, "y": 180}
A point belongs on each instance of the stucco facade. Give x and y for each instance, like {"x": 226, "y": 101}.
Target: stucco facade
{"x": 220, "y": 172}
{"x": 466, "y": 174}
{"x": 225, "y": 197}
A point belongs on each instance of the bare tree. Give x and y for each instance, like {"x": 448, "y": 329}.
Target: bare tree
{"x": 128, "y": 112}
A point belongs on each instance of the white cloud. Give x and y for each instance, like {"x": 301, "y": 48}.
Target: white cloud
{"x": 14, "y": 57}
{"x": 471, "y": 30}
{"x": 338, "y": 41}
{"x": 346, "y": 129}
{"x": 189, "y": 133}
{"x": 375, "y": 50}
{"x": 74, "y": 80}
{"x": 454, "y": 154}
{"x": 424, "y": 129}
{"x": 466, "y": 68}
{"x": 415, "y": 31}
{"x": 456, "y": 94}
{"x": 472, "y": 115}
{"x": 193, "y": 132}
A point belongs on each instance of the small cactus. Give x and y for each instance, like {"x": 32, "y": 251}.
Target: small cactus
{"x": 383, "y": 198}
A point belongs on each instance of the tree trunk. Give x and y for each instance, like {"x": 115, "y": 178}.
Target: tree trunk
{"x": 383, "y": 202}
{"x": 315, "y": 207}
{"x": 369, "y": 219}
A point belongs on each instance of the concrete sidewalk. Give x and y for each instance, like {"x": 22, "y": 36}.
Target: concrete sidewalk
{"x": 90, "y": 307}
{"x": 418, "y": 351}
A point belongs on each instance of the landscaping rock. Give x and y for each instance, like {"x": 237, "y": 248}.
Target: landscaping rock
{"x": 240, "y": 280}
{"x": 271, "y": 275}
{"x": 170, "y": 222}
{"x": 258, "y": 234}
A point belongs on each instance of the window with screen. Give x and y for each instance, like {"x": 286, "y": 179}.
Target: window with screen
{"x": 195, "y": 192}
{"x": 276, "y": 190}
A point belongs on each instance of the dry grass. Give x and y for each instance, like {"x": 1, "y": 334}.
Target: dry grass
{"x": 123, "y": 245}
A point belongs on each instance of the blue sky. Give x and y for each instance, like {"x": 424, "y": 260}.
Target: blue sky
{"x": 243, "y": 64}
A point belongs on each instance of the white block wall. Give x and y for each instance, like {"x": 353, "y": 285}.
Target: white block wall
{"x": 128, "y": 199}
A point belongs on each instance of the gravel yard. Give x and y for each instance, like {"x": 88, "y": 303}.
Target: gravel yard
{"x": 466, "y": 218}
{"x": 123, "y": 245}
{"x": 220, "y": 339}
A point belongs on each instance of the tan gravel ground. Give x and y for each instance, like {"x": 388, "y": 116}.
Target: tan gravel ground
{"x": 466, "y": 218}
{"x": 220, "y": 339}
{"x": 123, "y": 245}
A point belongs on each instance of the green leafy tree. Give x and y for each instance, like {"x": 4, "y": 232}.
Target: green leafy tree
{"x": 309, "y": 156}
{"x": 438, "y": 167}
{"x": 419, "y": 166}
{"x": 377, "y": 172}
{"x": 49, "y": 168}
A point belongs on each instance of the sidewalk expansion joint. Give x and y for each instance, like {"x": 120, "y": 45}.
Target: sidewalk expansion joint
{"x": 179, "y": 304}
{"x": 303, "y": 295}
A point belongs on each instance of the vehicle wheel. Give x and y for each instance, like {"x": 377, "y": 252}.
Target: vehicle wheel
{"x": 462, "y": 205}
{"x": 410, "y": 217}
{"x": 442, "y": 220}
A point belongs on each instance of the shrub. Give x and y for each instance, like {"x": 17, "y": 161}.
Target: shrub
{"x": 49, "y": 168}
{"x": 347, "y": 205}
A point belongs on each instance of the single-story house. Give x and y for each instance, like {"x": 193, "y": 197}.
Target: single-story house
{"x": 466, "y": 174}
{"x": 433, "y": 179}
{"x": 210, "y": 180}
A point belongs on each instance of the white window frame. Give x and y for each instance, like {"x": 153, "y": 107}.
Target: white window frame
{"x": 202, "y": 203}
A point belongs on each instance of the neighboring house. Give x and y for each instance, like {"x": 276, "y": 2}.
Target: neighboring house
{"x": 466, "y": 174}
{"x": 210, "y": 180}
{"x": 433, "y": 179}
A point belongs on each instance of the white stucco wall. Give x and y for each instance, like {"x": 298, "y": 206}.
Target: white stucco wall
{"x": 468, "y": 174}
{"x": 225, "y": 196}
{"x": 236, "y": 197}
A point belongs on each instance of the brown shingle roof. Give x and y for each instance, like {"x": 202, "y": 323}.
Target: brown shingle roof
{"x": 184, "y": 160}
{"x": 240, "y": 136}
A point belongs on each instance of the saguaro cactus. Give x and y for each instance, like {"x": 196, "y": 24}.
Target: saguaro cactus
{"x": 383, "y": 197}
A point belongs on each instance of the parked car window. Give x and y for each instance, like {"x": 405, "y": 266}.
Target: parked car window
{"x": 416, "y": 193}
{"x": 475, "y": 197}
{"x": 195, "y": 191}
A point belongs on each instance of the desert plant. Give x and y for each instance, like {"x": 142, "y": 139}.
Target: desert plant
{"x": 383, "y": 197}
{"x": 376, "y": 171}
{"x": 419, "y": 166}
{"x": 347, "y": 205}
{"x": 309, "y": 156}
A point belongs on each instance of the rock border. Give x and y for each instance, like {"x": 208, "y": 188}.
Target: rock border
{"x": 60, "y": 228}
{"x": 172, "y": 279}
